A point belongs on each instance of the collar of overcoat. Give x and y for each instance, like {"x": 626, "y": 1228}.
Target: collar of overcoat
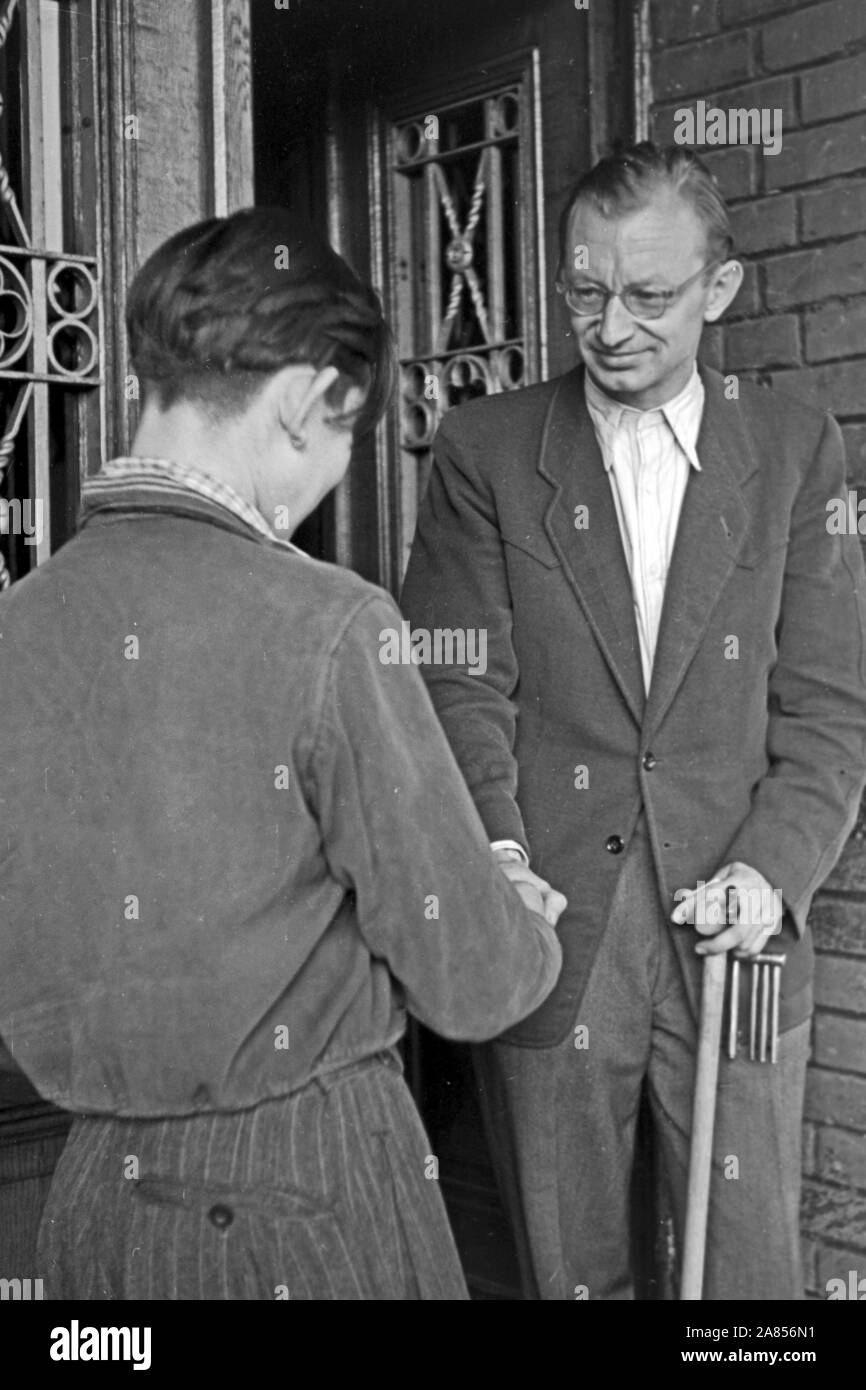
{"x": 713, "y": 525}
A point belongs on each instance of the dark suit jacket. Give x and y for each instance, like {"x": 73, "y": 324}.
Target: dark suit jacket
{"x": 758, "y": 757}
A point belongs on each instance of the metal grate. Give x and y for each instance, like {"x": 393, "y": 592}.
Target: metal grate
{"x": 466, "y": 258}
{"x": 51, "y": 348}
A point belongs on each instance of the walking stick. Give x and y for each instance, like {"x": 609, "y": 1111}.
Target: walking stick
{"x": 766, "y": 972}
{"x": 703, "y": 1120}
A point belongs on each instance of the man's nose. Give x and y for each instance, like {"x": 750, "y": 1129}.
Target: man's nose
{"x": 616, "y": 324}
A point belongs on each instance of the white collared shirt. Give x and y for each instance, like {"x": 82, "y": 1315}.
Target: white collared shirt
{"x": 647, "y": 455}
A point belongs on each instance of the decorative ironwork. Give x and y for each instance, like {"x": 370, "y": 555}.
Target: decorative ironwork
{"x": 457, "y": 378}
{"x": 71, "y": 303}
{"x": 16, "y": 314}
{"x": 50, "y": 321}
{"x": 466, "y": 254}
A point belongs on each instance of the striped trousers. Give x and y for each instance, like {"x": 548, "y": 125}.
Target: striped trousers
{"x": 319, "y": 1195}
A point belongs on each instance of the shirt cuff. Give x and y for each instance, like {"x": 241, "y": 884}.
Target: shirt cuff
{"x": 511, "y": 844}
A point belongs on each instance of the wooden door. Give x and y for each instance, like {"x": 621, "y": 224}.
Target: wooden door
{"x": 435, "y": 144}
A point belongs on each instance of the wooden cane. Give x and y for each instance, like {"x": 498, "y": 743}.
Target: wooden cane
{"x": 703, "y": 1120}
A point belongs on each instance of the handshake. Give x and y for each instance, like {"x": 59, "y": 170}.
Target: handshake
{"x": 536, "y": 892}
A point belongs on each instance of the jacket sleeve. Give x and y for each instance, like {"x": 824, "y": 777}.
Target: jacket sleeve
{"x": 400, "y": 831}
{"x": 804, "y": 808}
{"x": 457, "y": 578}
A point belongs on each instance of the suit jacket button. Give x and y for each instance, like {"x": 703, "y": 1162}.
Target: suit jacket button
{"x": 649, "y": 761}
{"x": 221, "y": 1216}
{"x": 614, "y": 844}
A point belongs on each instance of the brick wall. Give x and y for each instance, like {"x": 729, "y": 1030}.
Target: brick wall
{"x": 799, "y": 323}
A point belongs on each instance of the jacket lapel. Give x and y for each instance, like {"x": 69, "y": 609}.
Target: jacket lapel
{"x": 713, "y": 525}
{"x": 592, "y": 558}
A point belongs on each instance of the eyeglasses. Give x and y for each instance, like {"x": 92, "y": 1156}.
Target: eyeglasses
{"x": 587, "y": 300}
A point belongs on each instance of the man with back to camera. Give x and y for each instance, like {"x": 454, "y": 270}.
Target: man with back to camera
{"x": 226, "y": 874}
{"x": 675, "y": 696}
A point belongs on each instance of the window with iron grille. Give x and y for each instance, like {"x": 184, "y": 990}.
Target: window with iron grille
{"x": 463, "y": 252}
{"x": 51, "y": 321}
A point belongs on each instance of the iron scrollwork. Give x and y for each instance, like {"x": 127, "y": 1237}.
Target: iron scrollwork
{"x": 465, "y": 197}
{"x": 50, "y": 333}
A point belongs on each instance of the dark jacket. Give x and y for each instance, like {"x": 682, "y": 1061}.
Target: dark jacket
{"x": 234, "y": 843}
{"x": 751, "y": 745}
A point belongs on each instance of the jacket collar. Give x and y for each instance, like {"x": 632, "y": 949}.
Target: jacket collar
{"x": 141, "y": 486}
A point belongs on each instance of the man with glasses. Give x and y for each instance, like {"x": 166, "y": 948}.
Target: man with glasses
{"x": 671, "y": 729}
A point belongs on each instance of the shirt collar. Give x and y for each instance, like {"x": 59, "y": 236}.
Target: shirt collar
{"x": 683, "y": 414}
{"x": 166, "y": 472}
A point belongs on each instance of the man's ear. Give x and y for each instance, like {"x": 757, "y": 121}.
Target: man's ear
{"x": 301, "y": 389}
{"x": 726, "y": 282}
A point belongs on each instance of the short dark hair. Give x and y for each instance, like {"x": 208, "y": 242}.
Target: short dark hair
{"x": 627, "y": 178}
{"x": 225, "y": 303}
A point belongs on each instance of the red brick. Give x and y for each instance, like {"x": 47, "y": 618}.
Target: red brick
{"x": 834, "y": 1214}
{"x": 840, "y": 984}
{"x": 697, "y": 68}
{"x": 839, "y": 387}
{"x": 809, "y": 1255}
{"x": 839, "y": 330}
{"x": 850, "y": 872}
{"x": 816, "y": 31}
{"x": 766, "y": 91}
{"x": 768, "y": 224}
{"x": 838, "y": 923}
{"x": 733, "y": 169}
{"x": 841, "y": 1156}
{"x": 819, "y": 153}
{"x": 748, "y": 301}
{"x": 673, "y": 21}
{"x": 836, "y": 1262}
{"x": 810, "y": 1149}
{"x": 836, "y": 1098}
{"x": 838, "y": 210}
{"x": 807, "y": 277}
{"x": 735, "y": 11}
{"x": 849, "y": 875}
{"x": 840, "y": 1043}
{"x": 662, "y": 120}
{"x": 835, "y": 90}
{"x": 767, "y": 342}
{"x": 855, "y": 451}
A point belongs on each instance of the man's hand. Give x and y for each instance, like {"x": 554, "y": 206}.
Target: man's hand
{"x": 738, "y": 895}
{"x": 536, "y": 892}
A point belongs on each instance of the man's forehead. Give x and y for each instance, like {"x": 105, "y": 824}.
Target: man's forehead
{"x": 665, "y": 225}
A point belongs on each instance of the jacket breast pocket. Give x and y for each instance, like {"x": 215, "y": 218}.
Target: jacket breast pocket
{"x": 757, "y": 554}
{"x": 532, "y": 545}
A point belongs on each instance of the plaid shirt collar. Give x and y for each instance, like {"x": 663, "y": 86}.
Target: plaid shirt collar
{"x": 164, "y": 475}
